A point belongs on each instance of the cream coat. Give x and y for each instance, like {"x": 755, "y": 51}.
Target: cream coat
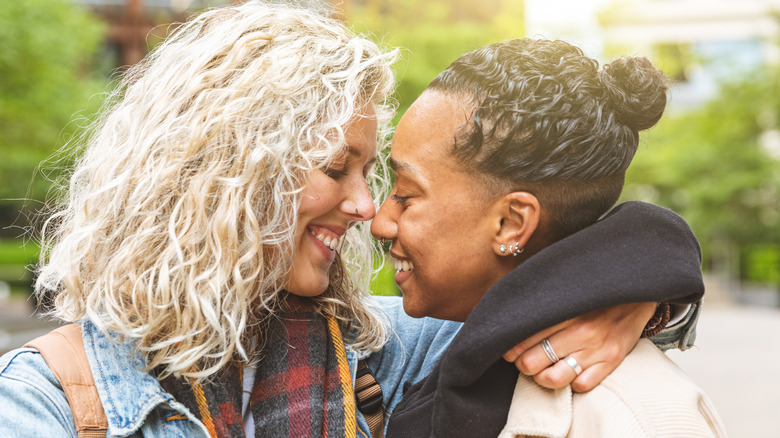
{"x": 647, "y": 396}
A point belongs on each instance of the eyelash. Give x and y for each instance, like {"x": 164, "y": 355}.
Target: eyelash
{"x": 334, "y": 173}
{"x": 399, "y": 199}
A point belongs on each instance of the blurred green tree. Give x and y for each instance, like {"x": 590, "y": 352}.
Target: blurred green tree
{"x": 45, "y": 79}
{"x": 434, "y": 33}
{"x": 718, "y": 166}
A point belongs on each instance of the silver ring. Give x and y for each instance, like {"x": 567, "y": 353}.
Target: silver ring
{"x": 572, "y": 362}
{"x": 548, "y": 350}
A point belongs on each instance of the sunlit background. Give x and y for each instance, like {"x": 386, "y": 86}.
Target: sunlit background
{"x": 713, "y": 158}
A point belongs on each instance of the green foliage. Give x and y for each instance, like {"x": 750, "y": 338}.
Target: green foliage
{"x": 432, "y": 34}
{"x": 384, "y": 281}
{"x": 45, "y": 79}
{"x": 711, "y": 166}
{"x": 762, "y": 263}
{"x": 17, "y": 252}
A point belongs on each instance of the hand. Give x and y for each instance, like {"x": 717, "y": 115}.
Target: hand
{"x": 599, "y": 341}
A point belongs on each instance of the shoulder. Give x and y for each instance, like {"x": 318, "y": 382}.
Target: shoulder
{"x": 413, "y": 335}
{"x": 32, "y": 396}
{"x": 648, "y": 395}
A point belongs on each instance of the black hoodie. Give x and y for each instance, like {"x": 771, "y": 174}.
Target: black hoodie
{"x": 638, "y": 253}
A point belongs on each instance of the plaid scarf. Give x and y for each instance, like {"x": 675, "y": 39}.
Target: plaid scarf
{"x": 302, "y": 388}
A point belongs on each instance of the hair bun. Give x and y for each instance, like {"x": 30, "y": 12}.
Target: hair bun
{"x": 636, "y": 90}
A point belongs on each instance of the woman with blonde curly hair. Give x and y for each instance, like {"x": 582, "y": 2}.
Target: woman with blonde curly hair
{"x": 220, "y": 182}
{"x": 211, "y": 248}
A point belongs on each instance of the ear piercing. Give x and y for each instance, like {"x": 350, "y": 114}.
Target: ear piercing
{"x": 515, "y": 250}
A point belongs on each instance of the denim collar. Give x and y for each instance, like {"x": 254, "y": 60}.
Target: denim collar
{"x": 127, "y": 392}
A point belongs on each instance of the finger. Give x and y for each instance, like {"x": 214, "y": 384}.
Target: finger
{"x": 514, "y": 353}
{"x": 592, "y": 376}
{"x": 533, "y": 360}
{"x": 581, "y": 340}
{"x": 556, "y": 376}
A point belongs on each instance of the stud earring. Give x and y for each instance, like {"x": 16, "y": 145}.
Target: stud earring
{"x": 517, "y": 250}
{"x": 502, "y": 249}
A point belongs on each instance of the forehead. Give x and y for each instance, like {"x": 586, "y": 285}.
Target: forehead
{"x": 426, "y": 133}
{"x": 360, "y": 134}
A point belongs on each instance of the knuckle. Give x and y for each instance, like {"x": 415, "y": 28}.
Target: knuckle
{"x": 585, "y": 331}
{"x": 613, "y": 353}
{"x": 552, "y": 380}
{"x": 525, "y": 364}
{"x": 582, "y": 385}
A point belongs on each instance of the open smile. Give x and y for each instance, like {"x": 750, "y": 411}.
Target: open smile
{"x": 326, "y": 240}
{"x": 404, "y": 269}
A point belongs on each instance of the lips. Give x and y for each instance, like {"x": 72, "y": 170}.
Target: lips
{"x": 331, "y": 241}
{"x": 403, "y": 265}
{"x": 327, "y": 239}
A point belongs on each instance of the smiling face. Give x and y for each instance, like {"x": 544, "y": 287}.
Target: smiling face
{"x": 334, "y": 199}
{"x": 437, "y": 216}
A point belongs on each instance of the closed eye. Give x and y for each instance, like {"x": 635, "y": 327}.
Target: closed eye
{"x": 399, "y": 199}
{"x": 334, "y": 173}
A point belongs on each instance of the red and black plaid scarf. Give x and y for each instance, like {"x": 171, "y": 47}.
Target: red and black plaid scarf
{"x": 302, "y": 388}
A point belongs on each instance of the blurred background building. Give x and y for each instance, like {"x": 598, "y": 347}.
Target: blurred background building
{"x": 713, "y": 158}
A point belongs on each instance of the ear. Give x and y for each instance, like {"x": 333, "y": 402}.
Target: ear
{"x": 519, "y": 214}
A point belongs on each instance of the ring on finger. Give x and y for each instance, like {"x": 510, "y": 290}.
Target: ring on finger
{"x": 572, "y": 362}
{"x": 548, "y": 350}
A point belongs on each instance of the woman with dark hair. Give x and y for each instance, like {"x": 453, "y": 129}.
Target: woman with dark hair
{"x": 210, "y": 253}
{"x": 507, "y": 170}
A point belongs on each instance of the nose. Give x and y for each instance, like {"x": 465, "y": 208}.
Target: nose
{"x": 384, "y": 225}
{"x": 360, "y": 204}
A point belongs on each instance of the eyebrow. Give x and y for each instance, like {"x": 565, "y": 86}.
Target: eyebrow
{"x": 356, "y": 153}
{"x": 399, "y": 166}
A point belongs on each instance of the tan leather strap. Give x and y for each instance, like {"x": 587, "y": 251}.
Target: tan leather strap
{"x": 369, "y": 400}
{"x": 63, "y": 350}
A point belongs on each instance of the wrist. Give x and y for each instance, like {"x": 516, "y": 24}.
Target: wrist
{"x": 659, "y": 320}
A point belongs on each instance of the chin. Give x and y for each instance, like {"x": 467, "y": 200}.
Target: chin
{"x": 308, "y": 290}
{"x": 412, "y": 308}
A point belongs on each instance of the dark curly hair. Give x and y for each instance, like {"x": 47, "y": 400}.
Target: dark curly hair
{"x": 546, "y": 120}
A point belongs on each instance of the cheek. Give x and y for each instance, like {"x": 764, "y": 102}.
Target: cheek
{"x": 319, "y": 197}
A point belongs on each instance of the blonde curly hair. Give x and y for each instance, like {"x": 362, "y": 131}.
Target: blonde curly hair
{"x": 177, "y": 229}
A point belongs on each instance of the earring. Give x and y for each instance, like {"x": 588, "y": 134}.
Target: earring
{"x": 357, "y": 213}
{"x": 517, "y": 250}
{"x": 502, "y": 249}
{"x": 382, "y": 241}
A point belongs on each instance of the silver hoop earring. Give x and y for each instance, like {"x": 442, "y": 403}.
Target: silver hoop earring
{"x": 517, "y": 250}
{"x": 502, "y": 249}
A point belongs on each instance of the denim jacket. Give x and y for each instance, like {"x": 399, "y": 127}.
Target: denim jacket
{"x": 33, "y": 403}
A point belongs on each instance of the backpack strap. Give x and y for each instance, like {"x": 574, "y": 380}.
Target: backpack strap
{"x": 63, "y": 351}
{"x": 368, "y": 395}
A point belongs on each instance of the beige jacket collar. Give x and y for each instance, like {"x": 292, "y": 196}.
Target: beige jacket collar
{"x": 552, "y": 411}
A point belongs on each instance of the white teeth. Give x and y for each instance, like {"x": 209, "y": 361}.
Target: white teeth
{"x": 403, "y": 265}
{"x": 331, "y": 242}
